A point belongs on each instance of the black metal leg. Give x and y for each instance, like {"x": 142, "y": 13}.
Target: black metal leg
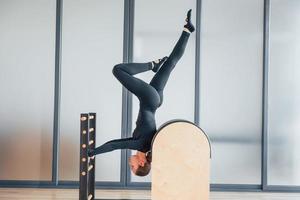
{"x": 83, "y": 178}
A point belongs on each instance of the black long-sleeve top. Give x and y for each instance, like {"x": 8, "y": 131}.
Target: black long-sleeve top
{"x": 141, "y": 137}
{"x": 150, "y": 100}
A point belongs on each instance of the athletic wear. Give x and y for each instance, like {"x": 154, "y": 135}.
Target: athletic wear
{"x": 189, "y": 24}
{"x": 150, "y": 97}
{"x": 158, "y": 63}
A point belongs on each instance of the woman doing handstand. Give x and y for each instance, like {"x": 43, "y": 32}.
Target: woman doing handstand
{"x": 150, "y": 97}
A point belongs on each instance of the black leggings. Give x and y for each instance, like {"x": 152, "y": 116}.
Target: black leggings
{"x": 152, "y": 93}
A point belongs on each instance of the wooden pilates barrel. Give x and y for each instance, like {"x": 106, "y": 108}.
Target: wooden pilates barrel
{"x": 180, "y": 162}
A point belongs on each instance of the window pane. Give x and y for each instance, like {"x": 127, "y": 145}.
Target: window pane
{"x": 231, "y": 88}
{"x": 284, "y": 93}
{"x": 27, "y": 39}
{"x": 88, "y": 84}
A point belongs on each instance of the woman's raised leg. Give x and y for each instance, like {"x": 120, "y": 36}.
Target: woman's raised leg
{"x": 160, "y": 79}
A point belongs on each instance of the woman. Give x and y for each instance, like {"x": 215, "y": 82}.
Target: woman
{"x": 150, "y": 97}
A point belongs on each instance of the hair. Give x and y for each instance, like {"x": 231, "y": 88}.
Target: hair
{"x": 144, "y": 171}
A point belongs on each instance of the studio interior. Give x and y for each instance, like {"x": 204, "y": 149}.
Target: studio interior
{"x": 156, "y": 100}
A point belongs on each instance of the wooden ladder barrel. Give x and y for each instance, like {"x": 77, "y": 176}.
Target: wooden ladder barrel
{"x": 180, "y": 162}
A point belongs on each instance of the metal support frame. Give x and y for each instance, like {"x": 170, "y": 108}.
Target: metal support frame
{"x": 57, "y": 91}
{"x": 126, "y": 96}
{"x": 129, "y": 28}
{"x": 197, "y": 63}
{"x": 266, "y": 39}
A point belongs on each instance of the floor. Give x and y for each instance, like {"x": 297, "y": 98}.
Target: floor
{"x": 72, "y": 194}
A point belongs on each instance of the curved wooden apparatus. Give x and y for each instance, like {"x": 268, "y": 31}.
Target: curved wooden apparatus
{"x": 180, "y": 162}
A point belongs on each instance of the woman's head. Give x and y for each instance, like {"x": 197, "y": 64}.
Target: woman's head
{"x": 140, "y": 164}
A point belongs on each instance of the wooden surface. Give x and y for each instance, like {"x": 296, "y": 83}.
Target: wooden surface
{"x": 72, "y": 194}
{"x": 180, "y": 163}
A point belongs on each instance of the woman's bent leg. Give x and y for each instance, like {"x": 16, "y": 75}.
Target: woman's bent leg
{"x": 124, "y": 73}
{"x": 134, "y": 68}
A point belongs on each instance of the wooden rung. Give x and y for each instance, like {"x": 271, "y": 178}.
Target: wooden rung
{"x": 90, "y": 196}
{"x": 91, "y": 117}
{"x": 90, "y": 167}
{"x": 91, "y": 129}
{"x": 93, "y": 157}
{"x": 83, "y": 118}
{"x": 91, "y": 142}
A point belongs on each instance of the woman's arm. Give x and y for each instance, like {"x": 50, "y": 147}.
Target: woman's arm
{"x": 126, "y": 143}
